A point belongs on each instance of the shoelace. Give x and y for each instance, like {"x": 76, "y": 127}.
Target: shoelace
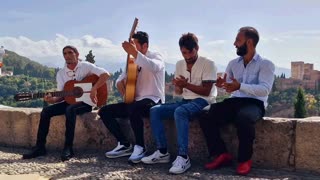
{"x": 137, "y": 151}
{"x": 178, "y": 162}
{"x": 157, "y": 155}
{"x": 118, "y": 147}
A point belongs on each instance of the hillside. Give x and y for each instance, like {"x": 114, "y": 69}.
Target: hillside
{"x": 21, "y": 65}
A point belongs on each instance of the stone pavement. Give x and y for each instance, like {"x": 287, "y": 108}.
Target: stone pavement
{"x": 93, "y": 165}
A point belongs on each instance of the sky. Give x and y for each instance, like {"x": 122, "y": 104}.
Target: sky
{"x": 39, "y": 29}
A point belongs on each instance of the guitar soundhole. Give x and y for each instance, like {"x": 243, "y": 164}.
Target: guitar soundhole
{"x": 77, "y": 92}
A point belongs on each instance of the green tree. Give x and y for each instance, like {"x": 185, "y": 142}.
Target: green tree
{"x": 90, "y": 57}
{"x": 168, "y": 77}
{"x": 300, "y": 104}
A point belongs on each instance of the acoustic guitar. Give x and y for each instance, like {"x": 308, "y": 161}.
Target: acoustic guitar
{"x": 73, "y": 92}
{"x": 132, "y": 72}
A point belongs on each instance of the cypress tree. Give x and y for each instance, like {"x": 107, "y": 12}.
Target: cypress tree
{"x": 90, "y": 57}
{"x": 300, "y": 104}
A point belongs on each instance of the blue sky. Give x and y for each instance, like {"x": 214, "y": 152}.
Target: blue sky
{"x": 289, "y": 29}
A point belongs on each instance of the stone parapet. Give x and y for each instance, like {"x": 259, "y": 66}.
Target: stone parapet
{"x": 280, "y": 143}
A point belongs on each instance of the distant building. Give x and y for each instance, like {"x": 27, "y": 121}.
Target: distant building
{"x": 302, "y": 74}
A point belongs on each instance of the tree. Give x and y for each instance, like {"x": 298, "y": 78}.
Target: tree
{"x": 168, "y": 77}
{"x": 90, "y": 57}
{"x": 300, "y": 104}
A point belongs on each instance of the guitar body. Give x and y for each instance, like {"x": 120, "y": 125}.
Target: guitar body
{"x": 102, "y": 92}
{"x": 132, "y": 73}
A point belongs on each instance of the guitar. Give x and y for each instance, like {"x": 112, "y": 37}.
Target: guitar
{"x": 73, "y": 92}
{"x": 132, "y": 72}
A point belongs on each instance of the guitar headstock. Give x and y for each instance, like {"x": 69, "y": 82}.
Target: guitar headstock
{"x": 133, "y": 28}
{"x": 24, "y": 96}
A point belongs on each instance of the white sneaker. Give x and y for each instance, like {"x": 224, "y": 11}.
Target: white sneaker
{"x": 138, "y": 153}
{"x": 156, "y": 157}
{"x": 180, "y": 165}
{"x": 119, "y": 151}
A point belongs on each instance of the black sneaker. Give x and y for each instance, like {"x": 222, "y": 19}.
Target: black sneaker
{"x": 67, "y": 154}
{"x": 35, "y": 152}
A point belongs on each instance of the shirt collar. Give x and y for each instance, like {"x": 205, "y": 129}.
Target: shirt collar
{"x": 66, "y": 69}
{"x": 256, "y": 57}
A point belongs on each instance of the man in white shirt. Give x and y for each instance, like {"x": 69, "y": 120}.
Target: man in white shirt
{"x": 193, "y": 80}
{"x": 149, "y": 92}
{"x": 74, "y": 69}
{"x": 249, "y": 78}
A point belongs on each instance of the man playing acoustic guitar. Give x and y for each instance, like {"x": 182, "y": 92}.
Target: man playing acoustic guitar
{"x": 73, "y": 70}
{"x": 149, "y": 91}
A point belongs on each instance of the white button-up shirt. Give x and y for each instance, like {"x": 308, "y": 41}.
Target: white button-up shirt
{"x": 82, "y": 70}
{"x": 256, "y": 78}
{"x": 203, "y": 69}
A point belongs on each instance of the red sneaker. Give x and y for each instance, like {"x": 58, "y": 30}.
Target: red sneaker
{"x": 221, "y": 160}
{"x": 244, "y": 167}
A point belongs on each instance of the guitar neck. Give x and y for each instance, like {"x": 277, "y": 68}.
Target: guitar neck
{"x": 53, "y": 94}
{"x": 133, "y": 28}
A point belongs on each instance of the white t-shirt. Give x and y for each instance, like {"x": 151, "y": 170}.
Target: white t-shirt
{"x": 82, "y": 70}
{"x": 150, "y": 80}
{"x": 203, "y": 69}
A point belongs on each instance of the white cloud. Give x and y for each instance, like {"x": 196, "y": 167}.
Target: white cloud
{"x": 281, "y": 48}
{"x": 40, "y": 50}
{"x": 216, "y": 42}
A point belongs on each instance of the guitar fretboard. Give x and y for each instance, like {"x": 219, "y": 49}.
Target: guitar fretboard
{"x": 53, "y": 94}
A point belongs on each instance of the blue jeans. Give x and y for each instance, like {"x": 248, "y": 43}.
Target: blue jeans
{"x": 182, "y": 112}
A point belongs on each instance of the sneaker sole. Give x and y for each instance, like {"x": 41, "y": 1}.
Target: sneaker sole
{"x": 32, "y": 157}
{"x": 180, "y": 172}
{"x": 156, "y": 162}
{"x": 117, "y": 156}
{"x": 134, "y": 161}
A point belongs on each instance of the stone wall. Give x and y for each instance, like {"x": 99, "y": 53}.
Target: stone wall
{"x": 280, "y": 143}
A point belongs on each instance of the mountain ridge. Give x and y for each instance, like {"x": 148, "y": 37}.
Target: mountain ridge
{"x": 111, "y": 66}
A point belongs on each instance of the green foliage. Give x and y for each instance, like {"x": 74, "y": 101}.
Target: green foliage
{"x": 90, "y": 57}
{"x": 114, "y": 97}
{"x": 283, "y": 75}
{"x": 23, "y": 66}
{"x": 11, "y": 85}
{"x": 300, "y": 105}
{"x": 168, "y": 77}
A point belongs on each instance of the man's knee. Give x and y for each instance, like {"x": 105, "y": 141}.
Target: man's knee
{"x": 46, "y": 112}
{"x": 248, "y": 117}
{"x": 155, "y": 110}
{"x": 181, "y": 112}
{"x": 104, "y": 112}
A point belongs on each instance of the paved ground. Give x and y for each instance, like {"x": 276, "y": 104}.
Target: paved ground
{"x": 93, "y": 165}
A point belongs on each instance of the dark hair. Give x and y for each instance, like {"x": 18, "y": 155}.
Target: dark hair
{"x": 251, "y": 33}
{"x": 188, "y": 41}
{"x": 142, "y": 37}
{"x": 74, "y": 49}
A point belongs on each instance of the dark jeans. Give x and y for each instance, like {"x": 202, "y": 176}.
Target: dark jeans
{"x": 136, "y": 111}
{"x": 70, "y": 111}
{"x": 244, "y": 113}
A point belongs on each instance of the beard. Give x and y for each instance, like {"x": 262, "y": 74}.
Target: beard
{"x": 242, "y": 50}
{"x": 71, "y": 61}
{"x": 192, "y": 60}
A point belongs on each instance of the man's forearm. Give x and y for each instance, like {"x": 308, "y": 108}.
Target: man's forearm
{"x": 102, "y": 79}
